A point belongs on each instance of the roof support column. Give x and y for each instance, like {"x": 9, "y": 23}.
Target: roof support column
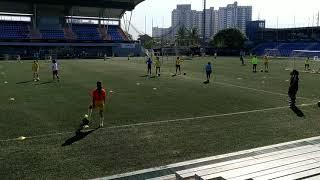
{"x": 35, "y": 17}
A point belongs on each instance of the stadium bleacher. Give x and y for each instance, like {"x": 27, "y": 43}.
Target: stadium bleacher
{"x": 291, "y": 160}
{"x": 48, "y": 28}
{"x": 114, "y": 33}
{"x": 52, "y": 33}
{"x": 14, "y": 30}
{"x": 285, "y": 49}
{"x": 86, "y": 32}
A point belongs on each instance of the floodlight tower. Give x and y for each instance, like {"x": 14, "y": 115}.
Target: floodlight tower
{"x": 204, "y": 21}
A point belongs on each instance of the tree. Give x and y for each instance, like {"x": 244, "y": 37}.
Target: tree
{"x": 182, "y": 35}
{"x": 146, "y": 41}
{"x": 232, "y": 39}
{"x": 194, "y": 36}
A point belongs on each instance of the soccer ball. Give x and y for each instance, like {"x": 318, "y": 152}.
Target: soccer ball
{"x": 85, "y": 126}
{"x": 184, "y": 73}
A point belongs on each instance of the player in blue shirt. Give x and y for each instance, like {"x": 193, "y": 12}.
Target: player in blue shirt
{"x": 149, "y": 63}
{"x": 208, "y": 69}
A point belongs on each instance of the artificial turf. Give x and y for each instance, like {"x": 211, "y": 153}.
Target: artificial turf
{"x": 49, "y": 112}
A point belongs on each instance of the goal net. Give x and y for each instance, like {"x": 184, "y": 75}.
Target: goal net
{"x": 304, "y": 60}
{"x": 272, "y": 52}
{"x": 50, "y": 57}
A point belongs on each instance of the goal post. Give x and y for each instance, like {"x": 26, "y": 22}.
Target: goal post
{"x": 298, "y": 59}
{"x": 49, "y": 57}
{"x": 272, "y": 52}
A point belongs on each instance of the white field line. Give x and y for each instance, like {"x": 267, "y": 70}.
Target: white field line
{"x": 248, "y": 88}
{"x": 164, "y": 121}
{"x": 258, "y": 90}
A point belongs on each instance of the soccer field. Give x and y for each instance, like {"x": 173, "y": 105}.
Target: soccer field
{"x": 182, "y": 119}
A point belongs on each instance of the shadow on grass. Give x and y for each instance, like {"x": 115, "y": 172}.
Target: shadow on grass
{"x": 297, "y": 111}
{"x": 24, "y": 82}
{"x": 44, "y": 83}
{"x": 144, "y": 76}
{"x": 78, "y": 137}
{"x": 206, "y": 82}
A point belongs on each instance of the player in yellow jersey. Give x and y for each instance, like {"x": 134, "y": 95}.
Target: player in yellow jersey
{"x": 254, "y": 64}
{"x": 178, "y": 65}
{"x": 158, "y": 66}
{"x": 35, "y": 70}
{"x": 307, "y": 64}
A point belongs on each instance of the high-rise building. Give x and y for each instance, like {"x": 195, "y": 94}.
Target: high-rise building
{"x": 161, "y": 32}
{"x": 182, "y": 16}
{"x": 234, "y": 16}
{"x": 231, "y": 16}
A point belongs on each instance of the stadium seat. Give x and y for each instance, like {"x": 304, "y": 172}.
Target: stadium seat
{"x": 115, "y": 34}
{"x": 285, "y": 49}
{"x": 86, "y": 32}
{"x": 14, "y": 30}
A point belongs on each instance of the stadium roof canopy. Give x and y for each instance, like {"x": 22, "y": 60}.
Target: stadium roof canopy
{"x": 109, "y": 8}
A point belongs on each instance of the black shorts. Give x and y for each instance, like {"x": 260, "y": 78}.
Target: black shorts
{"x": 178, "y": 66}
{"x": 209, "y": 72}
{"x": 55, "y": 72}
{"x": 149, "y": 66}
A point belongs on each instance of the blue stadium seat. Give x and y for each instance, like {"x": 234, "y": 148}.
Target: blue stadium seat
{"x": 114, "y": 33}
{"x": 86, "y": 32}
{"x": 285, "y": 49}
{"x": 14, "y": 30}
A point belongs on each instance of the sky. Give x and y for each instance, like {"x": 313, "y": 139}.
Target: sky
{"x": 290, "y": 13}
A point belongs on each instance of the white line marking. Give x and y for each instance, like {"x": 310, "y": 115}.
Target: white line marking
{"x": 165, "y": 121}
{"x": 258, "y": 90}
{"x": 248, "y": 88}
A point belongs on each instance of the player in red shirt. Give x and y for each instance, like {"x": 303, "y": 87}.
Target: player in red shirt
{"x": 99, "y": 100}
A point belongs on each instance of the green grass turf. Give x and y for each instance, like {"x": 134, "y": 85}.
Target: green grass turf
{"x": 45, "y": 107}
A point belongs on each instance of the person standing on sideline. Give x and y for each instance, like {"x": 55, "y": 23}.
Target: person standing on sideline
{"x": 266, "y": 63}
{"x": 98, "y": 101}
{"x": 55, "y": 70}
{"x": 307, "y": 64}
{"x": 19, "y": 59}
{"x": 178, "y": 65}
{"x": 208, "y": 69}
{"x": 35, "y": 70}
{"x": 158, "y": 66}
{"x": 254, "y": 64}
{"x": 149, "y": 66}
{"x": 293, "y": 88}
{"x": 242, "y": 60}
